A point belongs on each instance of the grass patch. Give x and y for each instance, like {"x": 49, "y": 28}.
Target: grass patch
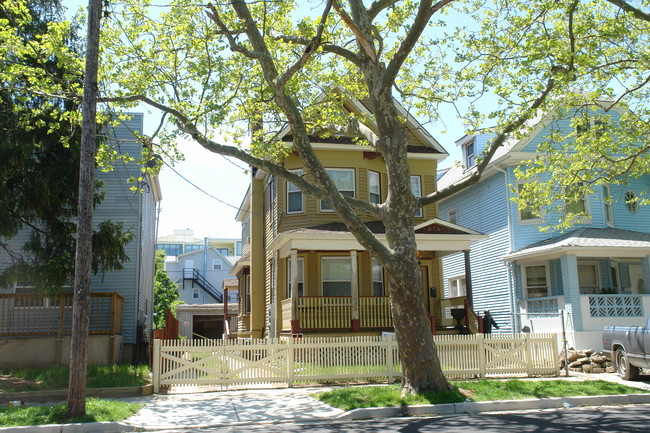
{"x": 99, "y": 376}
{"x": 97, "y": 410}
{"x": 483, "y": 390}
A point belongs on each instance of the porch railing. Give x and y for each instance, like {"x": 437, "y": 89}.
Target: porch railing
{"x": 545, "y": 305}
{"x": 616, "y": 306}
{"x": 374, "y": 312}
{"x": 39, "y": 315}
{"x": 325, "y": 312}
{"x": 446, "y": 305}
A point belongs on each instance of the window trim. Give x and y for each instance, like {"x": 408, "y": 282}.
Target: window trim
{"x": 214, "y": 262}
{"x": 418, "y": 213}
{"x": 301, "y": 280}
{"x": 608, "y": 205}
{"x": 195, "y": 294}
{"x": 453, "y": 210}
{"x": 587, "y": 206}
{"x": 596, "y": 265}
{"x": 372, "y": 173}
{"x": 354, "y": 186}
{"x": 547, "y": 273}
{"x": 469, "y": 158}
{"x": 323, "y": 259}
{"x": 374, "y": 262}
{"x": 297, "y": 190}
{"x": 527, "y": 221}
{"x": 452, "y": 280}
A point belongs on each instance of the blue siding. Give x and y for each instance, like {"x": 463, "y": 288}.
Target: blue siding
{"x": 483, "y": 207}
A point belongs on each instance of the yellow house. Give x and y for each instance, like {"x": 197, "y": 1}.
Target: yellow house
{"x": 294, "y": 240}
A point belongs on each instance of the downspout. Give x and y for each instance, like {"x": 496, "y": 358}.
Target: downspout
{"x": 511, "y": 294}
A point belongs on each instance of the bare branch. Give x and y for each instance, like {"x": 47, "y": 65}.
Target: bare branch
{"x": 214, "y": 16}
{"x": 365, "y": 43}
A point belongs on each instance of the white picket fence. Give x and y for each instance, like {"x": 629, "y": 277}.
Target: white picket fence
{"x": 326, "y": 359}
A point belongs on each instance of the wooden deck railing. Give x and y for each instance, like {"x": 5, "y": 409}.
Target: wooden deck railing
{"x": 36, "y": 315}
{"x": 374, "y": 312}
{"x": 325, "y": 312}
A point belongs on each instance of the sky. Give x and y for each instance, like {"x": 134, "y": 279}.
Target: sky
{"x": 203, "y": 192}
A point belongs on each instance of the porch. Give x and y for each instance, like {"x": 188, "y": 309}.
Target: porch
{"x": 29, "y": 315}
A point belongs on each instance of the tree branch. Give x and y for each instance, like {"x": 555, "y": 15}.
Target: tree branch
{"x": 214, "y": 16}
{"x": 425, "y": 12}
{"x": 363, "y": 41}
{"x": 329, "y": 48}
{"x": 494, "y": 145}
{"x": 377, "y": 6}
{"x": 638, "y": 13}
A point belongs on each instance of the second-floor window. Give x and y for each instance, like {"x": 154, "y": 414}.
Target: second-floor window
{"x": 301, "y": 289}
{"x": 344, "y": 180}
{"x": 195, "y": 293}
{"x": 607, "y": 206}
{"x": 452, "y": 215}
{"x": 580, "y": 205}
{"x": 526, "y": 214}
{"x": 416, "y": 189}
{"x": 294, "y": 196}
{"x": 374, "y": 187}
{"x": 217, "y": 265}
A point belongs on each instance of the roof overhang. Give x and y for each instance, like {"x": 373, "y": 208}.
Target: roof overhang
{"x": 441, "y": 244}
{"x": 555, "y": 252}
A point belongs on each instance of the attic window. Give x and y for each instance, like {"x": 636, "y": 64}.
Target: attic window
{"x": 469, "y": 153}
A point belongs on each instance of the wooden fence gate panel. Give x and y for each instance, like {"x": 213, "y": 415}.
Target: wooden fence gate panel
{"x": 323, "y": 359}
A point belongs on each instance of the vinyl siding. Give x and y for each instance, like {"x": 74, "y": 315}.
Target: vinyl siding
{"x": 483, "y": 207}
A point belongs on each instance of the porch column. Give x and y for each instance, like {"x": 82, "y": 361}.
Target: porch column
{"x": 569, "y": 270}
{"x": 645, "y": 274}
{"x": 468, "y": 280}
{"x": 295, "y": 323}
{"x": 354, "y": 292}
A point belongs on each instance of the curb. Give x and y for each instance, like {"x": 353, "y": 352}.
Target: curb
{"x": 94, "y": 427}
{"x": 62, "y": 394}
{"x": 496, "y": 406}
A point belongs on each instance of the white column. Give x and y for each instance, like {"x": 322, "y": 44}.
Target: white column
{"x": 354, "y": 285}
{"x": 294, "y": 285}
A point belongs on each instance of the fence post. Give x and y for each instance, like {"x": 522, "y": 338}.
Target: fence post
{"x": 290, "y": 357}
{"x": 482, "y": 364}
{"x": 388, "y": 340}
{"x": 156, "y": 366}
{"x": 529, "y": 361}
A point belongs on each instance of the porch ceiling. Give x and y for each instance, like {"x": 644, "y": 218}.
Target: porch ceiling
{"x": 588, "y": 242}
{"x": 440, "y": 237}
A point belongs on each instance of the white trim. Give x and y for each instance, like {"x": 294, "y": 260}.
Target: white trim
{"x": 529, "y": 221}
{"x": 354, "y": 186}
{"x": 524, "y": 280}
{"x": 455, "y": 212}
{"x": 299, "y": 172}
{"x": 419, "y": 213}
{"x": 301, "y": 267}
{"x": 372, "y": 172}
{"x": 608, "y": 208}
{"x": 596, "y": 266}
{"x": 323, "y": 259}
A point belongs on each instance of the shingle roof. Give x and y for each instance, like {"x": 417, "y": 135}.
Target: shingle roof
{"x": 593, "y": 237}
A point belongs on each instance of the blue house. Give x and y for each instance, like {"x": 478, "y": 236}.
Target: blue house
{"x": 35, "y": 326}
{"x": 598, "y": 271}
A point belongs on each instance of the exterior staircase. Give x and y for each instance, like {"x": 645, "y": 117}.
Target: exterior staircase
{"x": 198, "y": 279}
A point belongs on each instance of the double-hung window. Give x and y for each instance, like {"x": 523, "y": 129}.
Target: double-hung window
{"x": 576, "y": 205}
{"x": 217, "y": 265}
{"x": 588, "y": 278}
{"x": 336, "y": 276}
{"x": 416, "y": 189}
{"x": 344, "y": 180}
{"x": 526, "y": 214}
{"x": 377, "y": 279}
{"x": 301, "y": 280}
{"x": 294, "y": 196}
{"x": 536, "y": 281}
{"x": 470, "y": 157}
{"x": 374, "y": 187}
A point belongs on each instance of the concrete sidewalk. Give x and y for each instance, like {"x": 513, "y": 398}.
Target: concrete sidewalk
{"x": 241, "y": 407}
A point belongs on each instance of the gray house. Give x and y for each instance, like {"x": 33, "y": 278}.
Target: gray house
{"x": 121, "y": 301}
{"x": 200, "y": 274}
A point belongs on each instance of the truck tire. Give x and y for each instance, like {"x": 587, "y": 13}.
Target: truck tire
{"x": 623, "y": 367}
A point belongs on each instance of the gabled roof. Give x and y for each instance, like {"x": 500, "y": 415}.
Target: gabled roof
{"x": 512, "y": 150}
{"x": 591, "y": 242}
{"x": 200, "y": 251}
{"x": 364, "y": 108}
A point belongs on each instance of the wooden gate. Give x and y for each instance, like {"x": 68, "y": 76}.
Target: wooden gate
{"x": 262, "y": 361}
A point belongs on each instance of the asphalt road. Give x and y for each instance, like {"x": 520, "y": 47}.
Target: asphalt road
{"x": 606, "y": 419}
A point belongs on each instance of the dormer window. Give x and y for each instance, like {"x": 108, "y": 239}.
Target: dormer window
{"x": 470, "y": 156}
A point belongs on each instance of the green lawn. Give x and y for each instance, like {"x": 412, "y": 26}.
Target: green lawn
{"x": 36, "y": 379}
{"x": 484, "y": 390}
{"x": 96, "y": 410}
